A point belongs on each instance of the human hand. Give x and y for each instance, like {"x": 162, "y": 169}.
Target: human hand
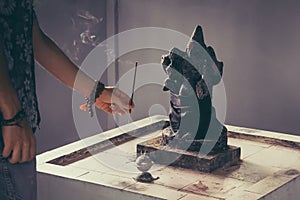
{"x": 19, "y": 143}
{"x": 112, "y": 100}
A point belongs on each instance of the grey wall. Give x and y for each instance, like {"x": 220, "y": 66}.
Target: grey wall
{"x": 257, "y": 40}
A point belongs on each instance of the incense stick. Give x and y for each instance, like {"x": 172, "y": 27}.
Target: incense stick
{"x": 133, "y": 85}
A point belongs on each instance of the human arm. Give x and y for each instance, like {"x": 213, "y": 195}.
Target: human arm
{"x": 48, "y": 54}
{"x": 19, "y": 141}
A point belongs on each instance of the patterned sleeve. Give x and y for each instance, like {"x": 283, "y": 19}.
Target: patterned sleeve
{"x": 34, "y": 15}
{"x": 2, "y": 28}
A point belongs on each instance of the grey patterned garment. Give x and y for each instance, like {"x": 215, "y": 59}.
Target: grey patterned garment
{"x": 16, "y": 20}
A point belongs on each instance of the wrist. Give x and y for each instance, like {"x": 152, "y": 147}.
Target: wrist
{"x": 99, "y": 89}
{"x": 9, "y": 106}
{"x": 94, "y": 94}
{"x": 16, "y": 120}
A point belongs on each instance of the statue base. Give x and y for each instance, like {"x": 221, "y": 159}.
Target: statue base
{"x": 166, "y": 155}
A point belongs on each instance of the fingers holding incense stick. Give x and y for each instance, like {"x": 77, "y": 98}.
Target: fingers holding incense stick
{"x": 133, "y": 86}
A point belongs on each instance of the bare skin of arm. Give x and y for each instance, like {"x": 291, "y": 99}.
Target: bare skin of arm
{"x": 19, "y": 142}
{"x": 57, "y": 63}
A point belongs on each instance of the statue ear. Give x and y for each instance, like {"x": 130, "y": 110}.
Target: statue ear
{"x": 198, "y": 36}
{"x": 212, "y": 54}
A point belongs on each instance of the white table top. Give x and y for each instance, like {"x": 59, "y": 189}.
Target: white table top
{"x": 268, "y": 165}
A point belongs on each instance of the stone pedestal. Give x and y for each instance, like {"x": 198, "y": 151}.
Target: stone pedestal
{"x": 187, "y": 159}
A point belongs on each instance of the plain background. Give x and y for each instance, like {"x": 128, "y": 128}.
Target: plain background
{"x": 257, "y": 40}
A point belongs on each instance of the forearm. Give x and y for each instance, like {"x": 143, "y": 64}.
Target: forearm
{"x": 9, "y": 102}
{"x": 48, "y": 54}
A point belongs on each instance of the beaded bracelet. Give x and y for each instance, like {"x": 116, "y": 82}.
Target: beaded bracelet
{"x": 15, "y": 121}
{"x": 96, "y": 92}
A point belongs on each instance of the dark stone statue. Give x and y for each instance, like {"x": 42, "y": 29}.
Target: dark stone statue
{"x": 191, "y": 77}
